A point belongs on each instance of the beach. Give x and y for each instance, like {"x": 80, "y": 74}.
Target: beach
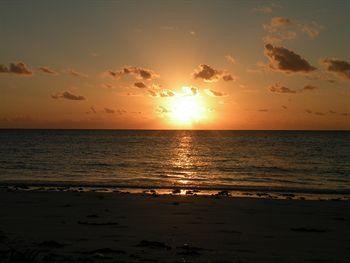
{"x": 73, "y": 226}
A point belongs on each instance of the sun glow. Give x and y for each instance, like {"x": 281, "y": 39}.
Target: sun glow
{"x": 187, "y": 108}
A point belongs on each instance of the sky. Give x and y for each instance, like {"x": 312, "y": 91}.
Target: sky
{"x": 175, "y": 64}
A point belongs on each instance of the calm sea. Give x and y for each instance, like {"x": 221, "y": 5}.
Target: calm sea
{"x": 309, "y": 161}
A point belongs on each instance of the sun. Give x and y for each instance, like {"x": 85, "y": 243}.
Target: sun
{"x": 187, "y": 108}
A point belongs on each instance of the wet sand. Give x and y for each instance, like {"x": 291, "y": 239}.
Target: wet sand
{"x": 46, "y": 226}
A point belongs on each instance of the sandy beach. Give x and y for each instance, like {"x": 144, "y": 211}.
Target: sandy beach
{"x": 48, "y": 226}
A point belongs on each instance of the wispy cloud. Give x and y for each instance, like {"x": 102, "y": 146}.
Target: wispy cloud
{"x": 278, "y": 88}
{"x": 140, "y": 73}
{"x": 109, "y": 111}
{"x": 214, "y": 93}
{"x": 230, "y": 59}
{"x": 75, "y": 73}
{"x": 68, "y": 96}
{"x": 47, "y": 70}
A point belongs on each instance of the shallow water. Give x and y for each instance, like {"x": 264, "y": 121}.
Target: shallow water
{"x": 311, "y": 161}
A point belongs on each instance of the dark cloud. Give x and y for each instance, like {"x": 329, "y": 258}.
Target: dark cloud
{"x": 140, "y": 73}
{"x": 48, "y": 71}
{"x": 284, "y": 107}
{"x": 263, "y": 110}
{"x": 308, "y": 111}
{"x": 277, "y": 88}
{"x": 67, "y": 95}
{"x": 214, "y": 93}
{"x": 140, "y": 85}
{"x": 339, "y": 67}
{"x": 18, "y": 68}
{"x": 308, "y": 87}
{"x": 282, "y": 59}
{"x": 109, "y": 111}
{"x": 209, "y": 74}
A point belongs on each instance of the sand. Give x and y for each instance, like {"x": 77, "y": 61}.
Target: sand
{"x": 47, "y": 226}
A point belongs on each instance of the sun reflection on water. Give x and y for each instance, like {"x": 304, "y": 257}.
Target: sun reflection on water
{"x": 184, "y": 159}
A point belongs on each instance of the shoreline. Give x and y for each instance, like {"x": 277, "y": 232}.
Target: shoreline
{"x": 242, "y": 192}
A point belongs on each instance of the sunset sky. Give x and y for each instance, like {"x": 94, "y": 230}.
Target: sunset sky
{"x": 175, "y": 64}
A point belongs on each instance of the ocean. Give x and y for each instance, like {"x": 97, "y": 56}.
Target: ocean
{"x": 291, "y": 161}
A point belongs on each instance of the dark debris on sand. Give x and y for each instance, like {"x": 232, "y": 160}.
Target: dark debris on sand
{"x": 153, "y": 244}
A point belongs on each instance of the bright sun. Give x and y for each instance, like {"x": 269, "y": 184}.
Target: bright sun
{"x": 187, "y": 108}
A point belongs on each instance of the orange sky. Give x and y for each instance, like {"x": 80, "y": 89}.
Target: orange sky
{"x": 175, "y": 65}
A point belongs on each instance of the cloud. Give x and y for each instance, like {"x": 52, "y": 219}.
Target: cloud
{"x": 67, "y": 95}
{"x": 91, "y": 110}
{"x": 339, "y": 67}
{"x": 284, "y": 60}
{"x": 140, "y": 73}
{"x": 284, "y": 107}
{"x": 107, "y": 86}
{"x": 163, "y": 110}
{"x": 109, "y": 111}
{"x": 281, "y": 28}
{"x": 153, "y": 93}
{"x": 263, "y": 110}
{"x": 308, "y": 111}
{"x": 140, "y": 85}
{"x": 279, "y": 36}
{"x": 214, "y": 93}
{"x": 277, "y": 88}
{"x": 76, "y": 73}
{"x": 163, "y": 93}
{"x": 308, "y": 87}
{"x": 18, "y": 68}
{"x": 166, "y": 93}
{"x": 48, "y": 71}
{"x": 276, "y": 23}
{"x": 230, "y": 59}
{"x": 190, "y": 91}
{"x": 209, "y": 74}
{"x": 312, "y": 30}
{"x": 332, "y": 112}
